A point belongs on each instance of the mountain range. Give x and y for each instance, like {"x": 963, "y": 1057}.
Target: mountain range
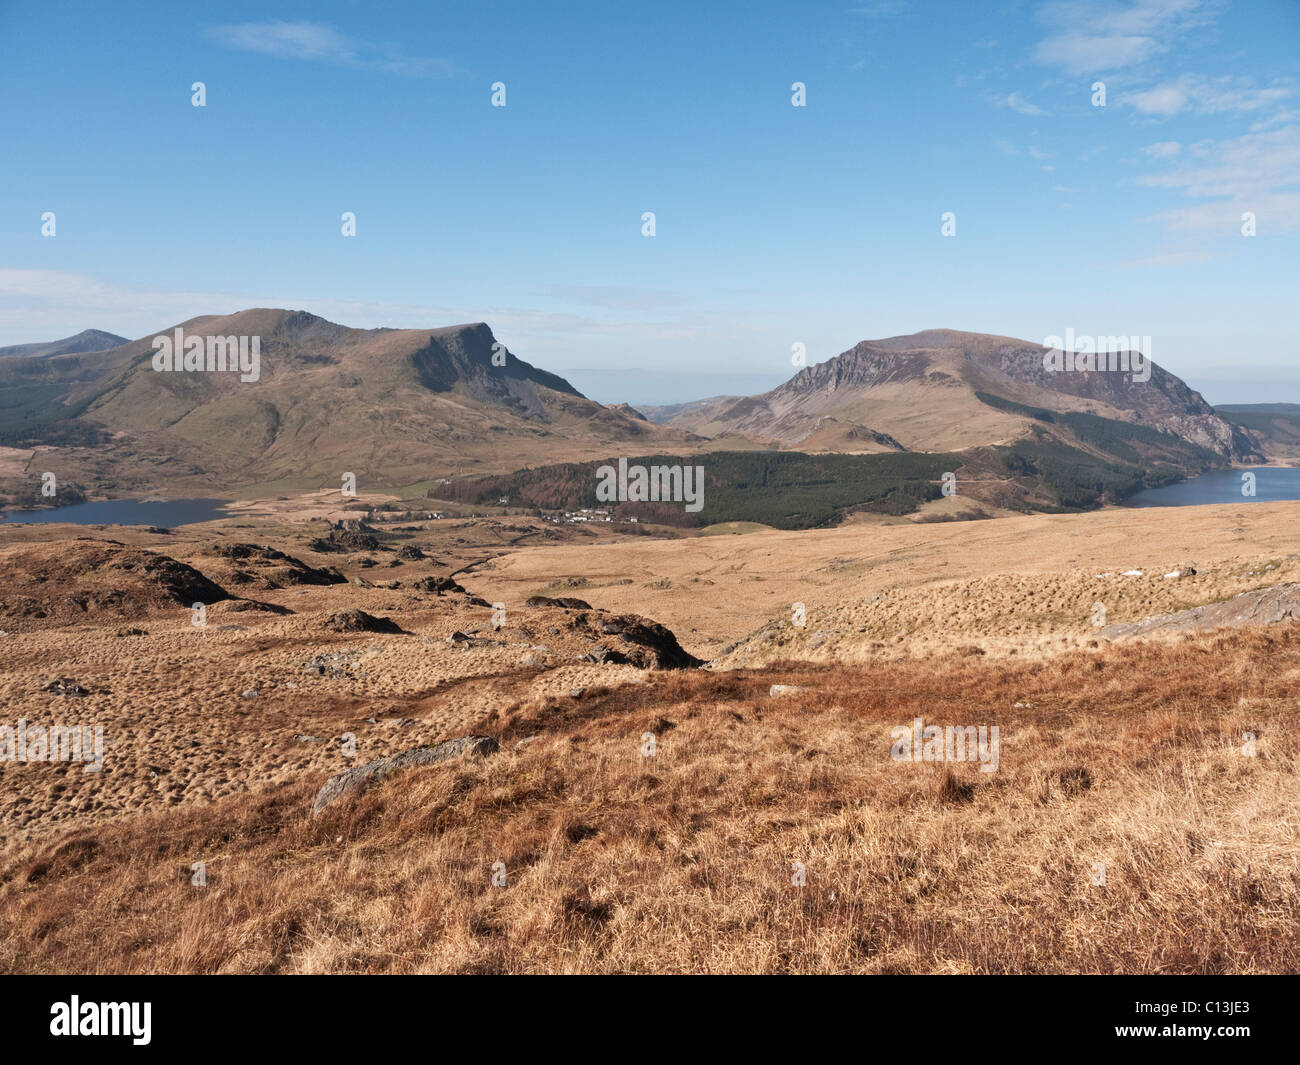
{"x": 86, "y": 340}
{"x": 399, "y": 407}
{"x": 394, "y": 406}
{"x": 943, "y": 390}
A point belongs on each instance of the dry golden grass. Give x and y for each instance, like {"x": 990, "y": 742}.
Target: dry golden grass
{"x": 713, "y": 591}
{"x": 1128, "y": 756}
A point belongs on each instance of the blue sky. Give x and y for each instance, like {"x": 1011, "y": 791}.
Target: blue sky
{"x": 775, "y": 224}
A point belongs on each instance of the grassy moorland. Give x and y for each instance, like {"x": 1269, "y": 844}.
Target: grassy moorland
{"x": 1125, "y": 765}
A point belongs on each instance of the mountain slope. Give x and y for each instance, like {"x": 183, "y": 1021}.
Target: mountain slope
{"x": 1275, "y": 425}
{"x": 86, "y": 340}
{"x": 393, "y": 406}
{"x": 925, "y": 390}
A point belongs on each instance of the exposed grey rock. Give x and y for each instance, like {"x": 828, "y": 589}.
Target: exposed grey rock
{"x": 1264, "y": 606}
{"x": 784, "y": 689}
{"x": 350, "y": 534}
{"x": 332, "y": 663}
{"x": 438, "y": 585}
{"x": 564, "y": 602}
{"x": 646, "y": 643}
{"x": 66, "y": 686}
{"x": 360, "y": 621}
{"x": 278, "y": 569}
{"x": 362, "y": 776}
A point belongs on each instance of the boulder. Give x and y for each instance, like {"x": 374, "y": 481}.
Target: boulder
{"x": 66, "y": 686}
{"x": 360, "y": 621}
{"x": 646, "y": 643}
{"x": 437, "y": 585}
{"x": 350, "y": 534}
{"x": 363, "y": 776}
{"x": 564, "y": 602}
{"x": 1264, "y": 606}
{"x": 278, "y": 570}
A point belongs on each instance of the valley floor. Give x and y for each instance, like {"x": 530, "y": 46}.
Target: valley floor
{"x": 1142, "y": 817}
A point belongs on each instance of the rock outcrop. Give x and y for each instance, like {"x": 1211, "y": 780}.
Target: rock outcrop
{"x": 360, "y": 621}
{"x": 1266, "y": 606}
{"x": 644, "y": 643}
{"x": 353, "y": 780}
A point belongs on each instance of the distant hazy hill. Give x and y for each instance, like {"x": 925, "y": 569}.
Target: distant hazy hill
{"x": 394, "y": 406}
{"x": 667, "y": 412}
{"x": 1276, "y": 425}
{"x": 946, "y": 390}
{"x": 86, "y": 340}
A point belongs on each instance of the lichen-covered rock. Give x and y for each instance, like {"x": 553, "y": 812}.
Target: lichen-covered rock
{"x": 362, "y": 776}
{"x": 564, "y": 602}
{"x": 1265, "y": 606}
{"x": 645, "y": 643}
{"x": 360, "y": 621}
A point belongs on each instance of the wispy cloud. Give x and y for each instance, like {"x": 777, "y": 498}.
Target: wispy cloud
{"x": 881, "y": 8}
{"x": 1087, "y": 37}
{"x": 1257, "y": 172}
{"x": 318, "y": 42}
{"x": 1205, "y": 96}
{"x": 40, "y": 304}
{"x": 1163, "y": 149}
{"x": 1171, "y": 258}
{"x": 1020, "y": 105}
{"x": 613, "y": 297}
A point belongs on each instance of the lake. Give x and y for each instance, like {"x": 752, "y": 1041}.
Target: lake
{"x": 1272, "y": 483}
{"x": 166, "y": 514}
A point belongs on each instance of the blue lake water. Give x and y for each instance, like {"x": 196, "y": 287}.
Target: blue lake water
{"x": 1272, "y": 483}
{"x": 166, "y": 514}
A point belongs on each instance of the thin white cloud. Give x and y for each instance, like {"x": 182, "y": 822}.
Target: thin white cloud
{"x": 1163, "y": 149}
{"x": 38, "y": 305}
{"x": 318, "y": 42}
{"x": 613, "y": 297}
{"x": 1206, "y": 96}
{"x": 1086, "y": 37}
{"x": 292, "y": 40}
{"x": 1171, "y": 258}
{"x": 1020, "y": 105}
{"x": 1280, "y": 118}
{"x": 881, "y": 8}
{"x": 1256, "y": 172}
